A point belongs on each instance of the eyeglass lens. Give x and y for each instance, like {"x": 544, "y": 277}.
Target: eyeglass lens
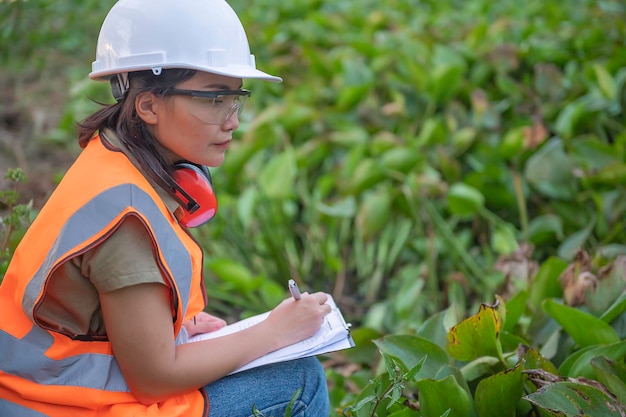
{"x": 216, "y": 110}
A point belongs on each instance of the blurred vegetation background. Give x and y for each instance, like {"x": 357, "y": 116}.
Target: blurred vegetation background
{"x": 421, "y": 158}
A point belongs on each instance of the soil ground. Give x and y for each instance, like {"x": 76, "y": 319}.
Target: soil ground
{"x": 30, "y": 110}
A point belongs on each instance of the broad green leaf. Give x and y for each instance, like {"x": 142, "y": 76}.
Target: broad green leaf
{"x": 512, "y": 143}
{"x": 246, "y": 205}
{"x": 515, "y": 308}
{"x": 436, "y": 327}
{"x": 498, "y": 395}
{"x": 342, "y": 208}
{"x": 464, "y": 200}
{"x": 612, "y": 375}
{"x": 350, "y": 95}
{"x": 239, "y": 154}
{"x": 433, "y": 131}
{"x": 616, "y": 309}
{"x": 503, "y": 240}
{"x": 439, "y": 396}
{"x": 401, "y": 159}
{"x": 277, "y": 178}
{"x": 365, "y": 348}
{"x": 477, "y": 335}
{"x": 604, "y": 298}
{"x": 546, "y": 282}
{"x": 593, "y": 154}
{"x": 510, "y": 342}
{"x": 234, "y": 274}
{"x": 608, "y": 175}
{"x": 584, "y": 328}
{"x": 567, "y": 250}
{"x": 579, "y": 363}
{"x": 549, "y": 170}
{"x": 605, "y": 81}
{"x": 535, "y": 360}
{"x": 447, "y": 73}
{"x": 545, "y": 228}
{"x": 568, "y": 119}
{"x": 411, "y": 349}
{"x": 463, "y": 139}
{"x": 366, "y": 174}
{"x": 480, "y": 367}
{"x": 572, "y": 399}
{"x": 373, "y": 213}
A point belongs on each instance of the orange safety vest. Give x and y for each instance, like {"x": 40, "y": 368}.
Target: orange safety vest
{"x": 46, "y": 373}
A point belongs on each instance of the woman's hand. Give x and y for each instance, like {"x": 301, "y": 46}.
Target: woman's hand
{"x": 203, "y": 323}
{"x": 295, "y": 320}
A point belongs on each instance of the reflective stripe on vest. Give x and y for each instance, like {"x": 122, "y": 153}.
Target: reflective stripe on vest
{"x": 53, "y": 374}
{"x": 85, "y": 223}
{"x": 25, "y": 358}
{"x": 9, "y": 409}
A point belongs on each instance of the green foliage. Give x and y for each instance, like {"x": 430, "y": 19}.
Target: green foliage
{"x": 383, "y": 397}
{"x": 413, "y": 146}
{"x": 499, "y": 362}
{"x": 419, "y": 159}
{"x": 16, "y": 217}
{"x": 44, "y": 35}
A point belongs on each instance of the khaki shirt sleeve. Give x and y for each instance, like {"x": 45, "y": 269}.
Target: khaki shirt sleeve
{"x": 71, "y": 304}
{"x": 126, "y": 258}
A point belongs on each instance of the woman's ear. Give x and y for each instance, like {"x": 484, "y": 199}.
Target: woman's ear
{"x": 146, "y": 105}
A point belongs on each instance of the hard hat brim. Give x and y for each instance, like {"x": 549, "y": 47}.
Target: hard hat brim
{"x": 234, "y": 71}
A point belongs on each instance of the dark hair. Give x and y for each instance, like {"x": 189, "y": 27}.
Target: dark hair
{"x": 122, "y": 118}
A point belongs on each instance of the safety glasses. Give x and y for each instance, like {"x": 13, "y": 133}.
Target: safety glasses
{"x": 213, "y": 107}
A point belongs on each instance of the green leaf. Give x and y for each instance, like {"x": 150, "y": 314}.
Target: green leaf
{"x": 579, "y": 363}
{"x": 605, "y": 81}
{"x": 572, "y": 399}
{"x": 477, "y": 335}
{"x": 568, "y": 119}
{"x": 608, "y": 296}
{"x": 534, "y": 360}
{"x": 567, "y": 250}
{"x": 277, "y": 178}
{"x": 233, "y": 273}
{"x": 545, "y": 228}
{"x": 515, "y": 308}
{"x": 612, "y": 375}
{"x": 615, "y": 310}
{"x": 546, "y": 282}
{"x": 410, "y": 350}
{"x": 503, "y": 240}
{"x": 433, "y": 131}
{"x": 549, "y": 170}
{"x": 401, "y": 158}
{"x": 436, "y": 327}
{"x": 374, "y": 213}
{"x": 585, "y": 329}
{"x": 464, "y": 200}
{"x": 480, "y": 367}
{"x": 498, "y": 395}
{"x": 366, "y": 174}
{"x": 439, "y": 396}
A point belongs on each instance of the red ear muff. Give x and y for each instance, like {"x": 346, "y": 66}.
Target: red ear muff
{"x": 195, "y": 191}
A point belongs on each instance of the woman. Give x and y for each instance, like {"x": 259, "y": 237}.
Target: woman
{"x": 106, "y": 286}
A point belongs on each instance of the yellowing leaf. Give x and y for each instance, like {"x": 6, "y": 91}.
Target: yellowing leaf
{"x": 478, "y": 335}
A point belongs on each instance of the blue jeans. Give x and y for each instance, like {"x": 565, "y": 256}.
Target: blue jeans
{"x": 269, "y": 389}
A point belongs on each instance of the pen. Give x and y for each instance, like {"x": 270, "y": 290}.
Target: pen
{"x": 293, "y": 289}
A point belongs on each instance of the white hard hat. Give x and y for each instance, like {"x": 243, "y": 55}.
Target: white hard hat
{"x": 204, "y": 35}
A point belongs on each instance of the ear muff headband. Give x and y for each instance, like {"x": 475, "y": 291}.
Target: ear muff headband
{"x": 195, "y": 190}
